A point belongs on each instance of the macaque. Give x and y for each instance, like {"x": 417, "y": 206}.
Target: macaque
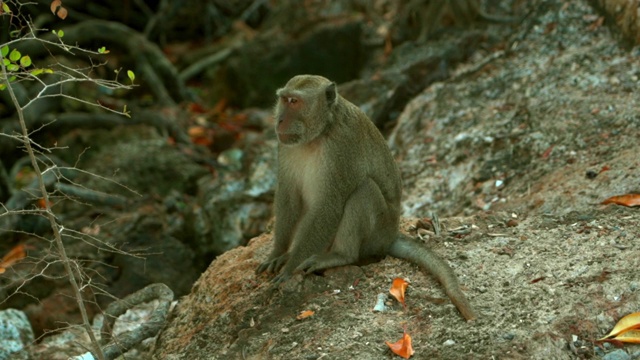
{"x": 338, "y": 191}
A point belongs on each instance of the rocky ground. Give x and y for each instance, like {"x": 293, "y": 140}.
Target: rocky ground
{"x": 511, "y": 134}
{"x": 516, "y": 159}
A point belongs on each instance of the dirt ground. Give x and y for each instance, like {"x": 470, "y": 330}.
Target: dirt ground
{"x": 515, "y": 159}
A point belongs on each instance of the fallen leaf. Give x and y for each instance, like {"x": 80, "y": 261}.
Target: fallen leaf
{"x": 402, "y": 347}
{"x": 398, "y": 288}
{"x": 547, "y": 152}
{"x": 305, "y": 314}
{"x": 196, "y": 108}
{"x": 629, "y": 322}
{"x": 631, "y": 336}
{"x": 13, "y": 256}
{"x": 200, "y": 135}
{"x": 596, "y": 24}
{"x": 624, "y": 200}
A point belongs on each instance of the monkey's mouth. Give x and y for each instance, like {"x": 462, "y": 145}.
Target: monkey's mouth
{"x": 288, "y": 138}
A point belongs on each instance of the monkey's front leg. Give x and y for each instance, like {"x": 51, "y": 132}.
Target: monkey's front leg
{"x": 314, "y": 235}
{"x": 365, "y": 218}
{"x": 287, "y": 211}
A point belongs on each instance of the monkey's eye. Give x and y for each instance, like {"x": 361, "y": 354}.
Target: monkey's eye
{"x": 289, "y": 100}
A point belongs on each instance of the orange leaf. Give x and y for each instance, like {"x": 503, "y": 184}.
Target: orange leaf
{"x": 402, "y": 347}
{"x": 629, "y": 322}
{"x": 197, "y": 131}
{"x": 196, "y": 108}
{"x": 631, "y": 336}
{"x": 305, "y": 314}
{"x": 43, "y": 204}
{"x": 397, "y": 289}
{"x": 62, "y": 13}
{"x": 220, "y": 106}
{"x": 200, "y": 135}
{"x": 624, "y": 200}
{"x": 54, "y": 5}
{"x": 13, "y": 256}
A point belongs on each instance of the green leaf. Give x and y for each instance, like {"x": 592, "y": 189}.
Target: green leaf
{"x": 131, "y": 75}
{"x": 12, "y": 79}
{"x": 3, "y": 86}
{"x": 13, "y": 67}
{"x": 60, "y": 33}
{"x": 25, "y": 61}
{"x": 48, "y": 71}
{"x": 5, "y": 8}
{"x": 15, "y": 55}
{"x": 36, "y": 72}
{"x": 103, "y": 50}
{"x": 6, "y": 61}
{"x": 5, "y": 50}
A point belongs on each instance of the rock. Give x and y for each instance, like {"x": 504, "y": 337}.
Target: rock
{"x": 617, "y": 354}
{"x": 234, "y": 206}
{"x": 15, "y": 335}
{"x": 333, "y": 49}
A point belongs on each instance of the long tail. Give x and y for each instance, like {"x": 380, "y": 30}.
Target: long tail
{"x": 406, "y": 248}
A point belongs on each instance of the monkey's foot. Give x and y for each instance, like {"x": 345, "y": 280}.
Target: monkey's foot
{"x": 273, "y": 265}
{"x": 280, "y": 278}
{"x": 324, "y": 261}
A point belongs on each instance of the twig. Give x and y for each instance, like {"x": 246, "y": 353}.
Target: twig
{"x": 49, "y": 214}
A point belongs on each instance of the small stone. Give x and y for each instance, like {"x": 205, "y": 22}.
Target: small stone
{"x": 591, "y": 174}
{"x": 449, "y": 343}
{"x": 617, "y": 354}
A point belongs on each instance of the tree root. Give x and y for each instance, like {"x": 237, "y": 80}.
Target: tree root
{"x": 114, "y": 347}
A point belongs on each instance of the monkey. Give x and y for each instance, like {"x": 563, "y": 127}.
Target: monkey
{"x": 338, "y": 190}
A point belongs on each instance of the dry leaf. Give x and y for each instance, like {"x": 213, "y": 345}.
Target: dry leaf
{"x": 305, "y": 314}
{"x": 43, "y": 204}
{"x": 13, "y": 256}
{"x": 200, "y": 135}
{"x": 398, "y": 288}
{"x": 54, "y": 5}
{"x": 62, "y": 13}
{"x": 629, "y": 322}
{"x": 402, "y": 347}
{"x": 624, "y": 200}
{"x": 631, "y": 336}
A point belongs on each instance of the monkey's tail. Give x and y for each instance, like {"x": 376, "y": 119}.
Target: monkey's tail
{"x": 406, "y": 248}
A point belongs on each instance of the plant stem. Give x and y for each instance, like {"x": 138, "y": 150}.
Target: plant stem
{"x": 50, "y": 216}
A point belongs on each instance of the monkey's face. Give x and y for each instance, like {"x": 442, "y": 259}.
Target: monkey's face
{"x": 294, "y": 116}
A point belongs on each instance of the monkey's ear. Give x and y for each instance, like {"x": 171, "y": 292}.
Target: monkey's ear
{"x": 331, "y": 93}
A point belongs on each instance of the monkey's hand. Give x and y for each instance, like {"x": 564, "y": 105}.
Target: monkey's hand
{"x": 273, "y": 264}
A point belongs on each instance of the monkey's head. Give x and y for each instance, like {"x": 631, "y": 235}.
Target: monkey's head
{"x": 304, "y": 108}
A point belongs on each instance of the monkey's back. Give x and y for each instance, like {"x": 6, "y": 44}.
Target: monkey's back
{"x": 369, "y": 148}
